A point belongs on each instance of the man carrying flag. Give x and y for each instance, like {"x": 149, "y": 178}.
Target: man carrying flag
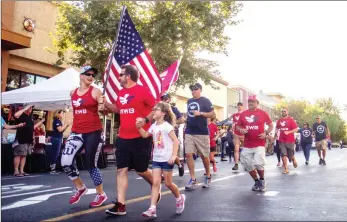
{"x": 133, "y": 92}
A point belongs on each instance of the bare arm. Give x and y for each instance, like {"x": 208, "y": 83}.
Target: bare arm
{"x": 173, "y": 136}
{"x": 144, "y": 133}
{"x": 271, "y": 127}
{"x": 39, "y": 123}
{"x": 20, "y": 112}
{"x": 6, "y": 126}
{"x": 180, "y": 120}
{"x": 211, "y": 114}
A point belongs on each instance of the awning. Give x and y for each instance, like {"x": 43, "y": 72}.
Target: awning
{"x": 11, "y": 40}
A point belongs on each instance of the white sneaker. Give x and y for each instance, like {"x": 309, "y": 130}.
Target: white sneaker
{"x": 151, "y": 212}
{"x": 180, "y": 204}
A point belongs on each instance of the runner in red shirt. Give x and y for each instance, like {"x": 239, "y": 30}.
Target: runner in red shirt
{"x": 238, "y": 138}
{"x": 287, "y": 127}
{"x": 85, "y": 134}
{"x": 252, "y": 124}
{"x": 212, "y": 127}
{"x": 134, "y": 102}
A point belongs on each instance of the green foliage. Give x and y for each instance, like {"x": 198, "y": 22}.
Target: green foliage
{"x": 303, "y": 111}
{"x": 168, "y": 29}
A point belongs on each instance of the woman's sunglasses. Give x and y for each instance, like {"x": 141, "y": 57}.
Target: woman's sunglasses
{"x": 88, "y": 74}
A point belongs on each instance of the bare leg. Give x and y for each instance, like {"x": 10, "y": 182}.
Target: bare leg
{"x": 285, "y": 163}
{"x": 122, "y": 184}
{"x": 237, "y": 153}
{"x": 213, "y": 161}
{"x": 320, "y": 154}
{"x": 16, "y": 164}
{"x": 253, "y": 174}
{"x": 99, "y": 189}
{"x": 22, "y": 163}
{"x": 206, "y": 161}
{"x": 78, "y": 183}
{"x": 147, "y": 176}
{"x": 169, "y": 184}
{"x": 156, "y": 185}
{"x": 191, "y": 165}
{"x": 261, "y": 173}
{"x": 324, "y": 153}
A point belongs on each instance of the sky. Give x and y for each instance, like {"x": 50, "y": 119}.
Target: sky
{"x": 293, "y": 47}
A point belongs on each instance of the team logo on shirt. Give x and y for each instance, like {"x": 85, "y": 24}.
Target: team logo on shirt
{"x": 306, "y": 133}
{"x": 320, "y": 129}
{"x": 251, "y": 119}
{"x": 126, "y": 99}
{"x": 191, "y": 107}
{"x": 77, "y": 103}
{"x": 237, "y": 117}
{"x": 283, "y": 123}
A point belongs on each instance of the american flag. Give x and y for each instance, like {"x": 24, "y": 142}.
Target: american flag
{"x": 131, "y": 50}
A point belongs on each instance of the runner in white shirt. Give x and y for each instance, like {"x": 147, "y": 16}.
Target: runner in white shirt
{"x": 164, "y": 155}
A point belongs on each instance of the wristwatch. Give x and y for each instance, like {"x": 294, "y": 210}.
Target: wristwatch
{"x": 147, "y": 120}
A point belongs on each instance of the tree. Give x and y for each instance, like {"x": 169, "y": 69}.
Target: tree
{"x": 168, "y": 29}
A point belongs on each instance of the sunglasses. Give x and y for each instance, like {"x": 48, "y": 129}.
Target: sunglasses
{"x": 195, "y": 88}
{"x": 284, "y": 111}
{"x": 88, "y": 74}
{"x": 122, "y": 74}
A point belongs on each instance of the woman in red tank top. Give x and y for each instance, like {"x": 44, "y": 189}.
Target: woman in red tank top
{"x": 85, "y": 134}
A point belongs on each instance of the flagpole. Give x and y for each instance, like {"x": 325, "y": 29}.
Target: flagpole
{"x": 110, "y": 62}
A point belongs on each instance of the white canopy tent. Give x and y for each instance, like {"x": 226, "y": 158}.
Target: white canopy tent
{"x": 51, "y": 94}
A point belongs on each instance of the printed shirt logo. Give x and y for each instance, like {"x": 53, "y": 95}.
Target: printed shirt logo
{"x": 191, "y": 107}
{"x": 77, "y": 103}
{"x": 126, "y": 99}
{"x": 283, "y": 123}
{"x": 250, "y": 119}
{"x": 306, "y": 133}
{"x": 237, "y": 117}
{"x": 159, "y": 140}
{"x": 320, "y": 129}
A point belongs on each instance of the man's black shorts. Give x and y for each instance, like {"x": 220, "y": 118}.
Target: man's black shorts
{"x": 133, "y": 153}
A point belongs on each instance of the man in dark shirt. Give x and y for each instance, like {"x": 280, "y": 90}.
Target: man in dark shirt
{"x": 179, "y": 120}
{"x": 197, "y": 137}
{"x": 321, "y": 132}
{"x": 24, "y": 138}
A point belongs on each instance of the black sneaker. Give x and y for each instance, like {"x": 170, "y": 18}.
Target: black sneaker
{"x": 323, "y": 162}
{"x": 236, "y": 167}
{"x": 117, "y": 210}
{"x": 223, "y": 159}
{"x": 306, "y": 162}
{"x": 320, "y": 161}
{"x": 181, "y": 170}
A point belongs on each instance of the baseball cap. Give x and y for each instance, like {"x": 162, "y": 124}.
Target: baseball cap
{"x": 165, "y": 96}
{"x": 87, "y": 68}
{"x": 239, "y": 104}
{"x": 196, "y": 85}
{"x": 252, "y": 98}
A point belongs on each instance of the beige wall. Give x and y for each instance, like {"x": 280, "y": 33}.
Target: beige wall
{"x": 45, "y": 15}
{"x": 233, "y": 98}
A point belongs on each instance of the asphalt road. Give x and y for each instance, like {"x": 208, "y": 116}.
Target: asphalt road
{"x": 311, "y": 192}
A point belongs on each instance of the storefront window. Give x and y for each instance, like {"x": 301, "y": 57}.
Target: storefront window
{"x": 27, "y": 80}
{"x": 13, "y": 80}
{"x": 17, "y": 79}
{"x": 40, "y": 79}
